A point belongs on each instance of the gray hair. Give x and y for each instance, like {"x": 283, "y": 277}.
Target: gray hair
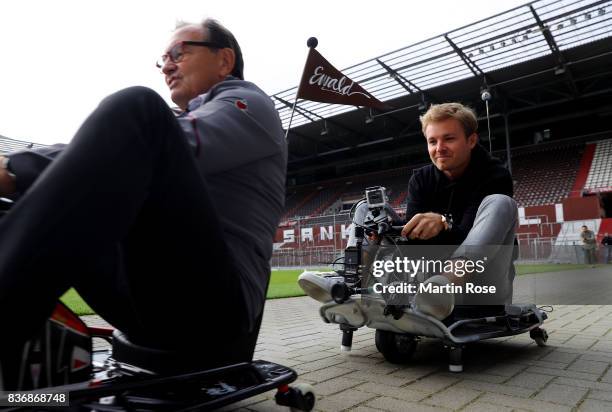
{"x": 217, "y": 33}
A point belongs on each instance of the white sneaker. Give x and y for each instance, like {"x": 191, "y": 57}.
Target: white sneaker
{"x": 317, "y": 286}
{"x": 438, "y": 305}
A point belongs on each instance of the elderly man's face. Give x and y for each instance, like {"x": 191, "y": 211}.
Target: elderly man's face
{"x": 199, "y": 69}
{"x": 448, "y": 147}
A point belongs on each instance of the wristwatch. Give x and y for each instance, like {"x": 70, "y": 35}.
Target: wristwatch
{"x": 5, "y": 166}
{"x": 447, "y": 222}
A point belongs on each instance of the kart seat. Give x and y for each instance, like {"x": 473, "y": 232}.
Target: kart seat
{"x": 207, "y": 354}
{"x": 152, "y": 359}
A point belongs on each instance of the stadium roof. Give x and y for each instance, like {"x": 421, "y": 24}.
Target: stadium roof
{"x": 8, "y": 145}
{"x": 537, "y": 38}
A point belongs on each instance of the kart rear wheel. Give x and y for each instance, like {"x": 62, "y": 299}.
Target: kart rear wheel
{"x": 539, "y": 335}
{"x": 395, "y": 347}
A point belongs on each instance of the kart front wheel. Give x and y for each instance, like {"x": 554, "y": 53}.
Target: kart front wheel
{"x": 395, "y": 347}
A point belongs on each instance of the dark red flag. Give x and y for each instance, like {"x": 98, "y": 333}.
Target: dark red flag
{"x": 322, "y": 82}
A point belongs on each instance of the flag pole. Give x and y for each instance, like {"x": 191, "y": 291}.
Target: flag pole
{"x": 291, "y": 118}
{"x": 311, "y": 43}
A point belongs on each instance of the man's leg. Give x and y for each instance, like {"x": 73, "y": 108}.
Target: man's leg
{"x": 124, "y": 215}
{"x": 588, "y": 257}
{"x": 492, "y": 235}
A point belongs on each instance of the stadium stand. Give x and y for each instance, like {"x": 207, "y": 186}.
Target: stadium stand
{"x": 297, "y": 199}
{"x": 330, "y": 196}
{"x": 323, "y": 197}
{"x": 583, "y": 170}
{"x": 545, "y": 176}
{"x": 605, "y": 227}
{"x": 600, "y": 172}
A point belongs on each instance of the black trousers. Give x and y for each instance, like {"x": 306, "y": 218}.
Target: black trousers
{"x": 124, "y": 216}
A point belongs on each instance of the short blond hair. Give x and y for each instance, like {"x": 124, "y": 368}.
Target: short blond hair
{"x": 440, "y": 112}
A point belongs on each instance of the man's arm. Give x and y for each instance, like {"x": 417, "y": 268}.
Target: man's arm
{"x": 415, "y": 203}
{"x": 26, "y": 165}
{"x": 422, "y": 224}
{"x": 238, "y": 126}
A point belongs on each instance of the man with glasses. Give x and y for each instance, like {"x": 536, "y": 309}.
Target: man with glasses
{"x": 163, "y": 223}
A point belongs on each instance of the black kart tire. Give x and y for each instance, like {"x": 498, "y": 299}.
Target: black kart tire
{"x": 395, "y": 347}
{"x": 539, "y": 335}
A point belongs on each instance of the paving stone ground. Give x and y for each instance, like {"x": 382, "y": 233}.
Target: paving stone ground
{"x": 573, "y": 373}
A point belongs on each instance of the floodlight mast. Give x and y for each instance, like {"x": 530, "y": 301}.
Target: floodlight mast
{"x": 486, "y": 96}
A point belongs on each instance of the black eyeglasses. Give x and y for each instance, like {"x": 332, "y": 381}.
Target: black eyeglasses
{"x": 176, "y": 52}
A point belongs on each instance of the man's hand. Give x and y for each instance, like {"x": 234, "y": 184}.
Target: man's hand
{"x": 7, "y": 183}
{"x": 423, "y": 226}
{"x": 372, "y": 237}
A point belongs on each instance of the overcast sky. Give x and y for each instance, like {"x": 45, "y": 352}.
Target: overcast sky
{"x": 59, "y": 58}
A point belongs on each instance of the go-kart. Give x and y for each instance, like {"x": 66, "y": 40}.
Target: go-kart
{"x": 350, "y": 301}
{"x": 61, "y": 370}
{"x": 117, "y": 380}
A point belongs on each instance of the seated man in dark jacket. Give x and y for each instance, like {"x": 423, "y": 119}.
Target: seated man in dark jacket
{"x": 163, "y": 223}
{"x": 465, "y": 196}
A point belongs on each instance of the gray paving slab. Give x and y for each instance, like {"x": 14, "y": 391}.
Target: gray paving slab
{"x": 529, "y": 380}
{"x": 594, "y": 405}
{"x": 344, "y": 400}
{"x": 479, "y": 406}
{"x": 562, "y": 394}
{"x": 453, "y": 398}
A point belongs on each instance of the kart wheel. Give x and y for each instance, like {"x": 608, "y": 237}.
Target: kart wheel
{"x": 304, "y": 399}
{"x": 539, "y": 335}
{"x": 395, "y": 347}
